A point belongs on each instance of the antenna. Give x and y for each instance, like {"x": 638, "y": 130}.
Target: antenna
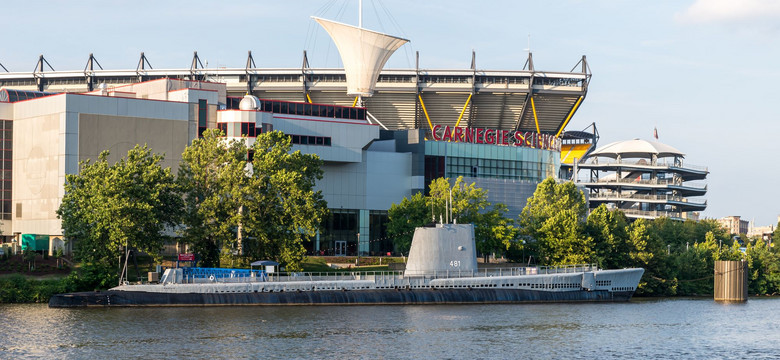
{"x": 529, "y": 44}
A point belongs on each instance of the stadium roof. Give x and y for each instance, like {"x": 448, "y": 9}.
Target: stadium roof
{"x": 526, "y": 99}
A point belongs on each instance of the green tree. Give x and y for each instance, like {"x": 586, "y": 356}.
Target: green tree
{"x": 107, "y": 206}
{"x": 646, "y": 251}
{"x": 493, "y": 231}
{"x": 693, "y": 267}
{"x": 404, "y": 217}
{"x": 776, "y": 233}
{"x": 212, "y": 175}
{"x": 729, "y": 253}
{"x": 610, "y": 240}
{"x": 553, "y": 219}
{"x": 270, "y": 203}
{"x": 29, "y": 256}
{"x": 764, "y": 267}
{"x": 281, "y": 207}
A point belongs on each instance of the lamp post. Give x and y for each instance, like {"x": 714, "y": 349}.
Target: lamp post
{"x": 357, "y": 262}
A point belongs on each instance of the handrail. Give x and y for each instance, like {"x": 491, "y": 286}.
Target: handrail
{"x": 643, "y": 162}
{"x": 689, "y": 184}
{"x": 610, "y": 195}
{"x": 669, "y": 214}
{"x": 200, "y": 275}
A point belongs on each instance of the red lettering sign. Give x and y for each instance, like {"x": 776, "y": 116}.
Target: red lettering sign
{"x": 458, "y": 134}
{"x": 447, "y": 134}
{"x": 469, "y": 135}
{"x": 490, "y": 137}
{"x": 186, "y": 257}
{"x": 519, "y": 139}
{"x": 496, "y": 137}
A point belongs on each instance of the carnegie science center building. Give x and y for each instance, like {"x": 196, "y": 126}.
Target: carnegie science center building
{"x": 383, "y": 134}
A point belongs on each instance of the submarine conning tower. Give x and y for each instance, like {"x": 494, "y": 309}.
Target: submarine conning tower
{"x": 443, "y": 249}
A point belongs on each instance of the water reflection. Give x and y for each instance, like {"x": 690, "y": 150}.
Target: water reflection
{"x": 688, "y": 328}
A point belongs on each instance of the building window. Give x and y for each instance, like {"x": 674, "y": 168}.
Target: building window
{"x": 310, "y": 140}
{"x": 248, "y": 129}
{"x": 304, "y": 109}
{"x": 203, "y": 116}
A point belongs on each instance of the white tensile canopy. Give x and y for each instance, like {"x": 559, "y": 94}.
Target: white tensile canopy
{"x": 636, "y": 148}
{"x": 363, "y": 52}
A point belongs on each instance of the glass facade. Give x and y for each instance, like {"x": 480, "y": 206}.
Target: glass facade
{"x": 339, "y": 235}
{"x": 379, "y": 243}
{"x": 450, "y": 159}
{"x": 301, "y": 108}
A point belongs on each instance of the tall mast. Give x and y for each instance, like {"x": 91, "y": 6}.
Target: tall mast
{"x": 360, "y": 14}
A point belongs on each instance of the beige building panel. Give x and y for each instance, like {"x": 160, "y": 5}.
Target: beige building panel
{"x": 36, "y": 174}
{"x": 119, "y": 134}
{"x": 6, "y": 111}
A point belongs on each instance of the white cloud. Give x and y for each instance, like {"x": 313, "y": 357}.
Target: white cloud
{"x": 731, "y": 11}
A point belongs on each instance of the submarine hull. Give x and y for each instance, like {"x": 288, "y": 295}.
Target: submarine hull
{"x": 335, "y": 297}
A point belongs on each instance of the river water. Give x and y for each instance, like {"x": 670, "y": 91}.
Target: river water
{"x": 649, "y": 329}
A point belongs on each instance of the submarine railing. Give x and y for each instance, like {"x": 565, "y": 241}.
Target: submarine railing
{"x": 199, "y": 275}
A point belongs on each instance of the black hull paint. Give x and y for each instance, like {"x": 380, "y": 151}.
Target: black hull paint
{"x": 361, "y": 297}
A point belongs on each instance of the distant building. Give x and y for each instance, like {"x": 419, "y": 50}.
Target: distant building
{"x": 761, "y": 232}
{"x": 644, "y": 179}
{"x": 734, "y": 225}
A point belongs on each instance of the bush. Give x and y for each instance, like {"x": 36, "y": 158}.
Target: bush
{"x": 17, "y": 289}
{"x": 91, "y": 277}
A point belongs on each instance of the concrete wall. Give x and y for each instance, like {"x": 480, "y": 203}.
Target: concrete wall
{"x": 42, "y": 128}
{"x": 52, "y": 134}
{"x": 347, "y": 138}
{"x": 388, "y": 179}
{"x": 377, "y": 182}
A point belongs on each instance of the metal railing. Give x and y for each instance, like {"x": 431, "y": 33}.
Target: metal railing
{"x": 654, "y": 214}
{"x": 660, "y": 164}
{"x": 613, "y": 195}
{"x": 687, "y": 184}
{"x": 219, "y": 275}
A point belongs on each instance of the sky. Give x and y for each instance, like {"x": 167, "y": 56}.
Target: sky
{"x": 703, "y": 72}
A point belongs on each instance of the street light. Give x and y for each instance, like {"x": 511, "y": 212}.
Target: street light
{"x": 357, "y": 262}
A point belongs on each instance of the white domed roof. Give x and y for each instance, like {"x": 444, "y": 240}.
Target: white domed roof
{"x": 636, "y": 149}
{"x": 249, "y": 102}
